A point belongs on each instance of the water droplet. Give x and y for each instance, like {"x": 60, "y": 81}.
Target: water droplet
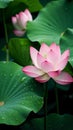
{"x": 23, "y": 79}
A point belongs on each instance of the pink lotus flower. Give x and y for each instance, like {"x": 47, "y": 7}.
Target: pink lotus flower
{"x": 48, "y": 63}
{"x": 20, "y": 20}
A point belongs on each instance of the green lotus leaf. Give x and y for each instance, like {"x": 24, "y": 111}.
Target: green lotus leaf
{"x": 19, "y": 94}
{"x": 54, "y": 122}
{"x": 51, "y": 22}
{"x": 44, "y": 2}
{"x": 19, "y": 49}
{"x": 32, "y": 5}
{"x": 4, "y": 3}
{"x": 66, "y": 42}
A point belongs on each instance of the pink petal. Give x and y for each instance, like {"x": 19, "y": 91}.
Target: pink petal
{"x": 14, "y": 20}
{"x": 56, "y": 49}
{"x": 66, "y": 54}
{"x": 17, "y": 16}
{"x": 32, "y": 71}
{"x": 15, "y": 23}
{"x": 27, "y": 12}
{"x": 19, "y": 33}
{"x": 42, "y": 79}
{"x": 40, "y": 60}
{"x": 64, "y": 78}
{"x": 22, "y": 20}
{"x": 46, "y": 66}
{"x": 33, "y": 54}
{"x": 53, "y": 74}
{"x": 64, "y": 60}
{"x": 52, "y": 57}
{"x": 44, "y": 49}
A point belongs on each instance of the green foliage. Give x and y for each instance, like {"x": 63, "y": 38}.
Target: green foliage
{"x": 15, "y": 6}
{"x": 51, "y": 22}
{"x": 63, "y": 87}
{"x": 32, "y": 5}
{"x": 19, "y": 49}
{"x": 19, "y": 94}
{"x": 44, "y": 2}
{"x": 69, "y": 69}
{"x": 4, "y": 3}
{"x": 51, "y": 84}
{"x": 2, "y": 50}
{"x": 66, "y": 42}
{"x": 54, "y": 122}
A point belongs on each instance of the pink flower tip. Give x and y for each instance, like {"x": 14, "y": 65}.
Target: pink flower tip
{"x": 20, "y": 21}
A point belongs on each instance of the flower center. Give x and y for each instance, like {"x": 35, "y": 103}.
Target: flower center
{"x": 45, "y": 56}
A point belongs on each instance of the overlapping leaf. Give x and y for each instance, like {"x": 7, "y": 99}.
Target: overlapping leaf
{"x": 19, "y": 94}
{"x": 66, "y": 42}
{"x": 44, "y": 2}
{"x": 19, "y": 49}
{"x": 4, "y": 3}
{"x": 51, "y": 22}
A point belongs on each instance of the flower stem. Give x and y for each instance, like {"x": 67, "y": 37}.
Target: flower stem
{"x": 45, "y": 105}
{"x": 6, "y": 36}
{"x": 57, "y": 100}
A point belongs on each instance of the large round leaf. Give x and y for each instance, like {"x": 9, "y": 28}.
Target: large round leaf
{"x": 51, "y": 22}
{"x": 19, "y": 94}
{"x": 66, "y": 42}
